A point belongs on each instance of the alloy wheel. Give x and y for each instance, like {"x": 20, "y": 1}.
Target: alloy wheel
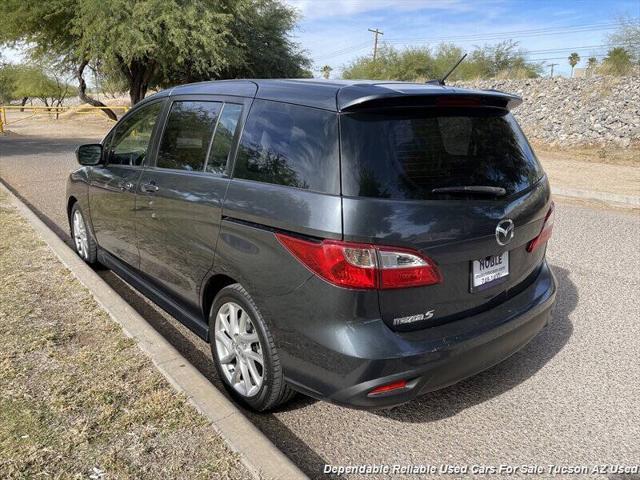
{"x": 80, "y": 235}
{"x": 238, "y": 349}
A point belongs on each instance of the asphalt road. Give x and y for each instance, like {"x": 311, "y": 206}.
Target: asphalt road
{"x": 570, "y": 397}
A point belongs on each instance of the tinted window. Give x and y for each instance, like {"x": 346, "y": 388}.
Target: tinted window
{"x": 131, "y": 139}
{"x": 290, "y": 145}
{"x": 186, "y": 137}
{"x": 405, "y": 155}
{"x": 223, "y": 139}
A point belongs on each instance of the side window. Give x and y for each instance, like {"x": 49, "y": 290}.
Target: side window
{"x": 223, "y": 138}
{"x": 290, "y": 145}
{"x": 186, "y": 137}
{"x": 131, "y": 140}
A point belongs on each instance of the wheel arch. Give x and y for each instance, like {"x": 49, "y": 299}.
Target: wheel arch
{"x": 212, "y": 286}
{"x": 71, "y": 201}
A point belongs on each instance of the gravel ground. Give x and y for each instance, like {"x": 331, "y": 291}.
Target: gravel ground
{"x": 570, "y": 397}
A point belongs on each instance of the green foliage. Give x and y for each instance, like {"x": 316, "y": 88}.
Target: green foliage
{"x": 31, "y": 81}
{"x": 617, "y": 62}
{"x": 7, "y": 84}
{"x": 503, "y": 60}
{"x": 574, "y": 59}
{"x": 150, "y": 43}
{"x": 262, "y": 47}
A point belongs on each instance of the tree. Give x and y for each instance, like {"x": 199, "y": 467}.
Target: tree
{"x": 7, "y": 83}
{"x": 326, "y": 71}
{"x": 34, "y": 81}
{"x": 592, "y": 64}
{"x": 50, "y": 29}
{"x": 504, "y": 59}
{"x": 627, "y": 35}
{"x": 261, "y": 46}
{"x": 574, "y": 58}
{"x": 617, "y": 62}
{"x": 150, "y": 43}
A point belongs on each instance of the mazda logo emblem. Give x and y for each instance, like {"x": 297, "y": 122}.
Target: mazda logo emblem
{"x": 504, "y": 231}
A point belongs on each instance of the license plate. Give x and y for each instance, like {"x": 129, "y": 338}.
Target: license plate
{"x": 490, "y": 269}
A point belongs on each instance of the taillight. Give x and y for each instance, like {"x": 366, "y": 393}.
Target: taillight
{"x": 359, "y": 265}
{"x": 404, "y": 268}
{"x": 545, "y": 233}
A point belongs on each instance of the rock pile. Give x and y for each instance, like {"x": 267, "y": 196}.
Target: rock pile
{"x": 563, "y": 112}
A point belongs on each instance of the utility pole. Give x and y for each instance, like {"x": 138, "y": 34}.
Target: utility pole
{"x": 552, "y": 65}
{"x": 375, "y": 32}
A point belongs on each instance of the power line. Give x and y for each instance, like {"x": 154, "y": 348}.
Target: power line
{"x": 485, "y": 36}
{"x": 527, "y": 32}
{"x": 600, "y": 55}
{"x": 583, "y": 47}
{"x": 344, "y": 50}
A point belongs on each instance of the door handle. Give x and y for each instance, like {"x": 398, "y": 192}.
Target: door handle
{"x": 126, "y": 186}
{"x": 150, "y": 187}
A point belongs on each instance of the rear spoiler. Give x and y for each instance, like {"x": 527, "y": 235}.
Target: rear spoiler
{"x": 350, "y": 100}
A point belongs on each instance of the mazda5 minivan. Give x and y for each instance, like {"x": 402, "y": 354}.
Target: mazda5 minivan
{"x": 359, "y": 242}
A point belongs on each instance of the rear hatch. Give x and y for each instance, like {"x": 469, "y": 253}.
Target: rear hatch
{"x": 402, "y": 173}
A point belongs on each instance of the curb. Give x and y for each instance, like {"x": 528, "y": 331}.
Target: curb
{"x": 614, "y": 199}
{"x": 256, "y": 451}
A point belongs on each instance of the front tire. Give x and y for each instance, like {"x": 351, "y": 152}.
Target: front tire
{"x": 83, "y": 241}
{"x": 244, "y": 352}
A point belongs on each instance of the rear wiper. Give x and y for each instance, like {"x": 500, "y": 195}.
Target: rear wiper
{"x": 482, "y": 189}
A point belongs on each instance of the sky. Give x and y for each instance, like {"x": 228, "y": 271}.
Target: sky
{"x": 334, "y": 32}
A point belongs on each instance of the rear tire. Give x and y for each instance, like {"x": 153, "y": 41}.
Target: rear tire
{"x": 83, "y": 241}
{"x": 244, "y": 352}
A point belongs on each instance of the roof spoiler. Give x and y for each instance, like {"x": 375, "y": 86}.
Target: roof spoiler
{"x": 430, "y": 97}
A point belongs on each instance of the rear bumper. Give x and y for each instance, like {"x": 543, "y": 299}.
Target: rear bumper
{"x": 435, "y": 357}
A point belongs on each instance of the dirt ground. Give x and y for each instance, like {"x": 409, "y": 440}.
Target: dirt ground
{"x": 614, "y": 170}
{"x": 629, "y": 156}
{"x": 77, "y": 397}
{"x": 70, "y": 126}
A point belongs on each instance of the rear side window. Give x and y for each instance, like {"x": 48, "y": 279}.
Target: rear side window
{"x": 188, "y": 132}
{"x": 290, "y": 145}
{"x": 405, "y": 155}
{"x": 223, "y": 139}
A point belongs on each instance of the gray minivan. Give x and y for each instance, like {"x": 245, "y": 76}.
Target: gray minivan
{"x": 359, "y": 242}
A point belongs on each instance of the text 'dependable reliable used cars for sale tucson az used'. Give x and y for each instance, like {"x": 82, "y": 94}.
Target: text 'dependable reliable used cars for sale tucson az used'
{"x": 359, "y": 242}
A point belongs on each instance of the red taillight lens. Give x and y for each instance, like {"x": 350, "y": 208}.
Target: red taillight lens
{"x": 358, "y": 265}
{"x": 389, "y": 387}
{"x": 545, "y": 233}
{"x": 350, "y": 265}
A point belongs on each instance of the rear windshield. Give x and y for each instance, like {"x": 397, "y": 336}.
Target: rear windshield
{"x": 406, "y": 154}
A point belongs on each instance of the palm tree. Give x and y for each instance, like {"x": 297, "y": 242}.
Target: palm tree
{"x": 574, "y": 58}
{"x": 326, "y": 71}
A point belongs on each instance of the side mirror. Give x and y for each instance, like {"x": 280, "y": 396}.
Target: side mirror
{"x": 89, "y": 154}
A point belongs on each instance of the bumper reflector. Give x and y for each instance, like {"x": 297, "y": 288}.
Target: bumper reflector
{"x": 389, "y": 387}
